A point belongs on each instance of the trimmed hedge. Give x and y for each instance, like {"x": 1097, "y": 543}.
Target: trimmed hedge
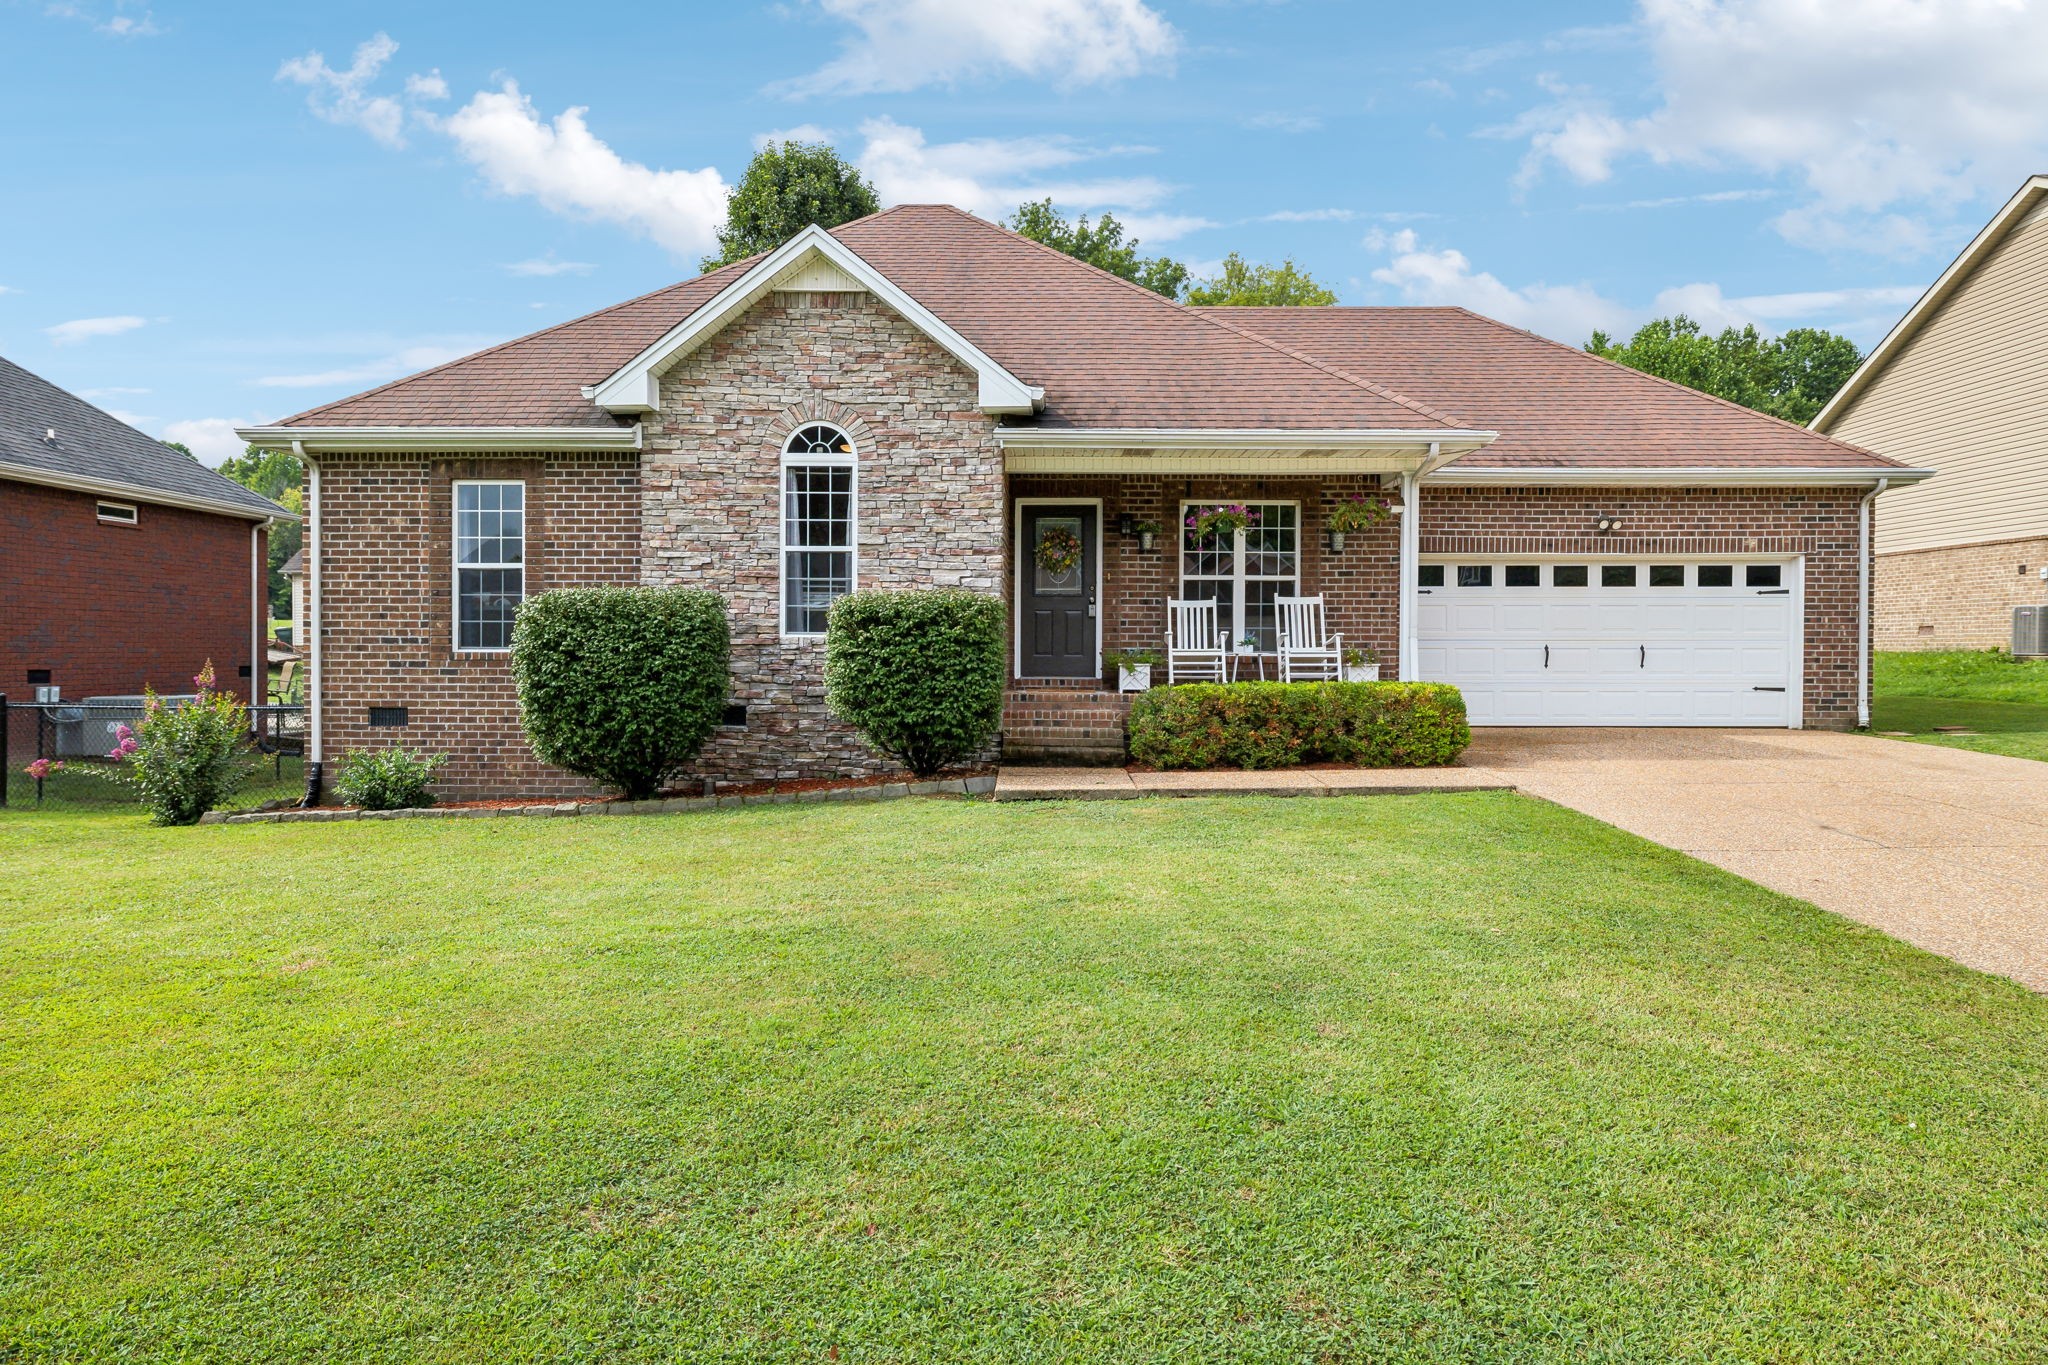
{"x": 1278, "y": 725}
{"x": 622, "y": 685}
{"x": 919, "y": 673}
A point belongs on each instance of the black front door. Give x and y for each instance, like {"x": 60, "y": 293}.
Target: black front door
{"x": 1056, "y": 566}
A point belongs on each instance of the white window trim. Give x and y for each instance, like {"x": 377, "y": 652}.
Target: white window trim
{"x": 456, "y": 566}
{"x": 1238, "y": 578}
{"x": 133, "y": 517}
{"x": 792, "y": 459}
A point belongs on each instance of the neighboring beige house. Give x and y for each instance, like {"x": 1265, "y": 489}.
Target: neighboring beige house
{"x": 1961, "y": 385}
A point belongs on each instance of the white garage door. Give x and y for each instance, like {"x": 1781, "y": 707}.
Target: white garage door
{"x": 1593, "y": 642}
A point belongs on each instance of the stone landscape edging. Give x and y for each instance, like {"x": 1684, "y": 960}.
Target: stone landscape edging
{"x": 982, "y": 785}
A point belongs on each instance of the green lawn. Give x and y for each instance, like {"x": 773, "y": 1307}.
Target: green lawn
{"x": 1442, "y": 1078}
{"x": 2003, "y": 699}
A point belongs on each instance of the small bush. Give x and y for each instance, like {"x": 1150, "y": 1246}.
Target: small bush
{"x": 1277, "y": 725}
{"x": 388, "y": 779}
{"x": 185, "y": 760}
{"x": 919, "y": 674}
{"x": 622, "y": 685}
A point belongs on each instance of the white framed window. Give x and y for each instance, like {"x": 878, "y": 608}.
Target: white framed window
{"x": 119, "y": 514}
{"x": 1243, "y": 571}
{"x": 818, "y": 518}
{"x": 490, "y": 561}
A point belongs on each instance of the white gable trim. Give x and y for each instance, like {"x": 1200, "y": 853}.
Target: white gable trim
{"x": 636, "y": 386}
{"x": 2016, "y": 211}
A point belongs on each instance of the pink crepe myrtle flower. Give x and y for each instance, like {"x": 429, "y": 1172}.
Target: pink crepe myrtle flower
{"x": 124, "y": 743}
{"x": 43, "y": 767}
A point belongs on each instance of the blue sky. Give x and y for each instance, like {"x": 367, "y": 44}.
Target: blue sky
{"x": 226, "y": 212}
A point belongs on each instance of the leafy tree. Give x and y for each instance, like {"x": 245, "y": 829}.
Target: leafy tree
{"x": 1261, "y": 286}
{"x": 278, "y": 475}
{"x": 789, "y": 186}
{"x": 178, "y": 446}
{"x": 1101, "y": 244}
{"x": 1790, "y": 376}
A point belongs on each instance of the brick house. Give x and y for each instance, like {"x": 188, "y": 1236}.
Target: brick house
{"x": 920, "y": 398}
{"x": 124, "y": 564}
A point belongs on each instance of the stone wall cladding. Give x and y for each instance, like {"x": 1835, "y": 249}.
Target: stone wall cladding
{"x": 1820, "y": 524}
{"x": 1957, "y": 597}
{"x": 109, "y": 609}
{"x": 1360, "y": 586}
{"x": 386, "y": 591}
{"x": 928, "y": 491}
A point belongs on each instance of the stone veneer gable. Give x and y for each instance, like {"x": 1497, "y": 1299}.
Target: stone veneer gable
{"x": 928, "y": 488}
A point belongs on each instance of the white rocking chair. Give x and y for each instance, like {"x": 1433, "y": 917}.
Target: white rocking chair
{"x": 1194, "y": 650}
{"x": 1307, "y": 654}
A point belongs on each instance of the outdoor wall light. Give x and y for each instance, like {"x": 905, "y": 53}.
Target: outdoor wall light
{"x": 1608, "y": 525}
{"x": 1127, "y": 523}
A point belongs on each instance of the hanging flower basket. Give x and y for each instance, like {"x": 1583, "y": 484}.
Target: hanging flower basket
{"x": 1357, "y": 513}
{"x": 1058, "y": 551}
{"x": 1223, "y": 519}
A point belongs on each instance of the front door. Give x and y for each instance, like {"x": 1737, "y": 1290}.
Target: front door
{"x": 1056, "y": 571}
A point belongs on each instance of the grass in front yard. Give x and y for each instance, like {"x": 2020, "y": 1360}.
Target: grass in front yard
{"x": 2004, "y": 699}
{"x": 1430, "y": 1078}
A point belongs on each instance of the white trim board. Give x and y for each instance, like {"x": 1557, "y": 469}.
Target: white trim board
{"x": 636, "y": 386}
{"x": 129, "y": 492}
{"x": 538, "y": 440}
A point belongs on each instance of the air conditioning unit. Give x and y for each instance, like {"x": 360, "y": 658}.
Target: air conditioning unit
{"x": 2030, "y": 632}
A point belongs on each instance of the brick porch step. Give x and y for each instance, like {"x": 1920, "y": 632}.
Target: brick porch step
{"x": 1064, "y": 720}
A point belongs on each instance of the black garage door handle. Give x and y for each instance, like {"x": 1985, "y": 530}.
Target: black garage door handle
{"x": 1767, "y": 689}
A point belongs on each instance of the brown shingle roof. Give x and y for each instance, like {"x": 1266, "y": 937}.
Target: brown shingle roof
{"x": 1554, "y": 406}
{"x": 1111, "y": 354}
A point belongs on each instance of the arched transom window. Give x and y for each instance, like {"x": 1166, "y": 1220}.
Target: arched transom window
{"x": 817, "y": 525}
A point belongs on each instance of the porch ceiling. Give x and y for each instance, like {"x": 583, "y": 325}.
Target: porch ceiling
{"x": 1028, "y": 450}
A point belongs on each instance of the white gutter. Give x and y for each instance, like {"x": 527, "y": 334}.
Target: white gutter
{"x": 129, "y": 492}
{"x": 1863, "y": 607}
{"x": 1242, "y": 438}
{"x": 322, "y": 440}
{"x": 1701, "y": 477}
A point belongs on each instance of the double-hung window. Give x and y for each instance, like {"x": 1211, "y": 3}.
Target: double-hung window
{"x": 1243, "y": 571}
{"x": 490, "y": 562}
{"x": 817, "y": 526}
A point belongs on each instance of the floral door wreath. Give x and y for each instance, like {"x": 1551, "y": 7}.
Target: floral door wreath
{"x": 1058, "y": 551}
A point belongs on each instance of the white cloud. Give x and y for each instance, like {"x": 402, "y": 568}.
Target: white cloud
{"x": 803, "y": 132}
{"x": 991, "y": 176}
{"x": 210, "y": 439}
{"x": 111, "y": 391}
{"x": 1857, "y": 311}
{"x": 1310, "y": 216}
{"x": 5, "y": 289}
{"x": 85, "y": 329}
{"x": 343, "y": 96}
{"x": 1285, "y": 123}
{"x": 432, "y": 86}
{"x": 569, "y": 170}
{"x": 905, "y": 44}
{"x": 1433, "y": 86}
{"x": 1566, "y": 312}
{"x": 1884, "y": 111}
{"x": 376, "y": 371}
{"x": 124, "y": 22}
{"x": 547, "y": 265}
{"x": 1162, "y": 227}
{"x": 133, "y": 419}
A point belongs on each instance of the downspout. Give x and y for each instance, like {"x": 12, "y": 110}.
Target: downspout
{"x": 314, "y": 681}
{"x": 1863, "y": 605}
{"x": 259, "y": 658}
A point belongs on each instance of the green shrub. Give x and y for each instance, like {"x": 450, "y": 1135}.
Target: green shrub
{"x": 1277, "y": 725}
{"x": 185, "y": 760}
{"x": 387, "y": 779}
{"x": 622, "y": 685}
{"x": 919, "y": 674}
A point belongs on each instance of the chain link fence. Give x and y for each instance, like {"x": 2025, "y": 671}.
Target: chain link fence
{"x": 79, "y": 734}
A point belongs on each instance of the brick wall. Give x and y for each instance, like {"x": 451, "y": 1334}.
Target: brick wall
{"x": 1820, "y": 524}
{"x": 386, "y": 600}
{"x": 1957, "y": 598}
{"x": 110, "y": 609}
{"x": 928, "y": 486}
{"x": 1360, "y": 586}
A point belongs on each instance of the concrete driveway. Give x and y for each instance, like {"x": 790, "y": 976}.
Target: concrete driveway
{"x": 1940, "y": 847}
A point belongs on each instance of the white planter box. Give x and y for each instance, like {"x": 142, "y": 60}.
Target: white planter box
{"x": 1137, "y": 679}
{"x": 1361, "y": 673}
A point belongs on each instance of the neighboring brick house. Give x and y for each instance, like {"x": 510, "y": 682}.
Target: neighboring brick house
{"x": 1959, "y": 383}
{"x": 124, "y": 564}
{"x": 921, "y": 398}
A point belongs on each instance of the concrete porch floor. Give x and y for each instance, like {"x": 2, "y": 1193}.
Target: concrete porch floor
{"x": 1943, "y": 848}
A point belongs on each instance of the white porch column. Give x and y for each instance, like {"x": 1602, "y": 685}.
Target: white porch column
{"x": 1411, "y": 545}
